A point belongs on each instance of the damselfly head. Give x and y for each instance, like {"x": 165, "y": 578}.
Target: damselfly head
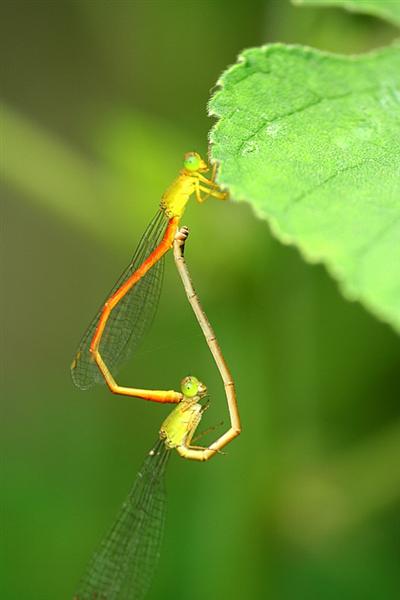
{"x": 192, "y": 387}
{"x": 194, "y": 163}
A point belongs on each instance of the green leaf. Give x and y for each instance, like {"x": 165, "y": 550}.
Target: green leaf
{"x": 312, "y": 141}
{"x": 386, "y": 9}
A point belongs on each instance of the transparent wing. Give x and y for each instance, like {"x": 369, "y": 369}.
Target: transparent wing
{"x": 131, "y": 318}
{"x": 123, "y": 567}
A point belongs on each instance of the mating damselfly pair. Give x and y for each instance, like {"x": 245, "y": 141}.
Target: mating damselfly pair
{"x": 123, "y": 566}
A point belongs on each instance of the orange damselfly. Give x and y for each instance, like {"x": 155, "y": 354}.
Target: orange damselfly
{"x": 124, "y": 318}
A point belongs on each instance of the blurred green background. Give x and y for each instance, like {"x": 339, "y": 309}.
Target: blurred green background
{"x": 100, "y": 101}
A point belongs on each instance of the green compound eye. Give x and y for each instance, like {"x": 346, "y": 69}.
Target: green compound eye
{"x": 190, "y": 386}
{"x": 192, "y": 161}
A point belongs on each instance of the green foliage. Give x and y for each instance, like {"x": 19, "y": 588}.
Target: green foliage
{"x": 387, "y": 9}
{"x": 311, "y": 140}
